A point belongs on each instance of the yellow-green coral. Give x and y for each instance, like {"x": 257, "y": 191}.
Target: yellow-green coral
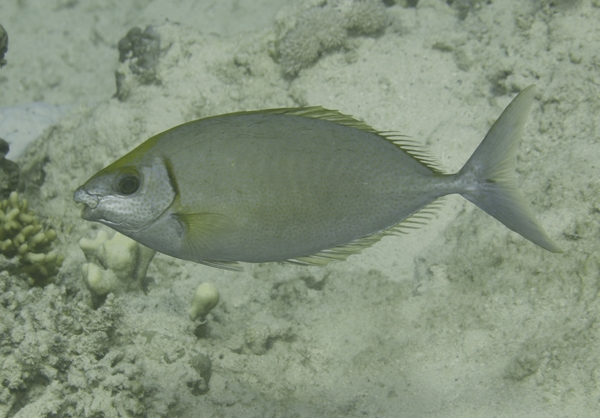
{"x": 22, "y": 235}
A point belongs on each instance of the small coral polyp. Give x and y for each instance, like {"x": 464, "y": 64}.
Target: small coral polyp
{"x": 22, "y": 236}
{"x": 114, "y": 264}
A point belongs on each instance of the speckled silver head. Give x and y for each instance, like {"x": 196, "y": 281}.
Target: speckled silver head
{"x": 127, "y": 199}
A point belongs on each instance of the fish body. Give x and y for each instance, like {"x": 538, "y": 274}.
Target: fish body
{"x": 305, "y": 185}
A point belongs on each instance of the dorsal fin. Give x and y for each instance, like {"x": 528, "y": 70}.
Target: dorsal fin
{"x": 405, "y": 143}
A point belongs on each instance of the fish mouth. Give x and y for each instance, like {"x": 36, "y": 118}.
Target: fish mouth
{"x": 86, "y": 213}
{"x": 90, "y": 202}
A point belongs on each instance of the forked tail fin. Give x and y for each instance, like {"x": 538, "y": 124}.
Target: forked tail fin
{"x": 489, "y": 175}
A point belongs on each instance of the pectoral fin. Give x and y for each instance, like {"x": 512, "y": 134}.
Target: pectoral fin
{"x": 201, "y": 231}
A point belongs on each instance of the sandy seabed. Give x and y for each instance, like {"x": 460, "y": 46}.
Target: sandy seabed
{"x": 461, "y": 318}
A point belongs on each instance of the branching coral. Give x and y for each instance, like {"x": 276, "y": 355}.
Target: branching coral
{"x": 22, "y": 235}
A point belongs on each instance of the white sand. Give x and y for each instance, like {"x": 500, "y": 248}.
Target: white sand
{"x": 461, "y": 318}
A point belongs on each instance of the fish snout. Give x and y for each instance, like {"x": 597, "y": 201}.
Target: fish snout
{"x": 82, "y": 196}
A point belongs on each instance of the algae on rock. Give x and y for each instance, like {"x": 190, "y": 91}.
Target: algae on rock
{"x": 325, "y": 27}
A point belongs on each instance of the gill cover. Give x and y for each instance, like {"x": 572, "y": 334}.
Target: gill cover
{"x": 127, "y": 198}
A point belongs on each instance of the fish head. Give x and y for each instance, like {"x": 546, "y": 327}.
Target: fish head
{"x": 127, "y": 197}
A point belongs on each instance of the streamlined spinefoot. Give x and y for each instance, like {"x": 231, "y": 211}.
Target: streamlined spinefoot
{"x": 306, "y": 185}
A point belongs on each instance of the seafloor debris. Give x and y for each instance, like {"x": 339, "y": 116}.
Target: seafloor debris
{"x": 139, "y": 51}
{"x": 22, "y": 236}
{"x": 464, "y": 7}
{"x": 10, "y": 173}
{"x": 3, "y": 46}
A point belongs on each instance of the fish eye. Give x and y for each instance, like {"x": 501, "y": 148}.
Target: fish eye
{"x": 128, "y": 182}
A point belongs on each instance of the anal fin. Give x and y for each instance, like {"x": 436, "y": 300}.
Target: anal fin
{"x": 342, "y": 252}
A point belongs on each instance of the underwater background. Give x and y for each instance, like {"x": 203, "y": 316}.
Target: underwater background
{"x": 460, "y": 318}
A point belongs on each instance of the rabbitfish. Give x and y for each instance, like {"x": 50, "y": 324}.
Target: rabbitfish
{"x": 305, "y": 185}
